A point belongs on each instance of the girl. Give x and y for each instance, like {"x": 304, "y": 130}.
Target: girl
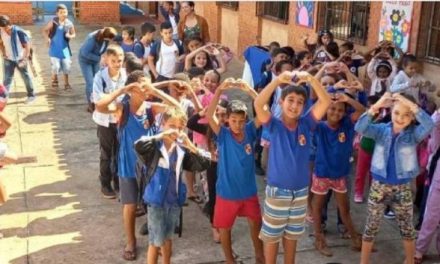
{"x": 393, "y": 166}
{"x": 201, "y": 58}
{"x": 303, "y": 61}
{"x": 334, "y": 140}
{"x": 381, "y": 70}
{"x": 127, "y": 43}
{"x": 318, "y": 49}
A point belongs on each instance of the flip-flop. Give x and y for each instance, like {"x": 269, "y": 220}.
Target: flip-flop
{"x": 129, "y": 255}
{"x": 67, "y": 87}
{"x": 196, "y": 199}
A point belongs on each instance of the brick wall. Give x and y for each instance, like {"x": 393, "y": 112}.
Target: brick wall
{"x": 212, "y": 13}
{"x": 249, "y": 32}
{"x": 20, "y": 13}
{"x": 373, "y": 23}
{"x": 296, "y": 31}
{"x": 99, "y": 12}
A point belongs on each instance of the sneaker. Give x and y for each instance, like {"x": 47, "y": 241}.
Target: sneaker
{"x": 390, "y": 215}
{"x": 108, "y": 192}
{"x": 30, "y": 99}
{"x": 358, "y": 198}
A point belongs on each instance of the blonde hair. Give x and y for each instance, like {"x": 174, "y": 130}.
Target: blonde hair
{"x": 175, "y": 113}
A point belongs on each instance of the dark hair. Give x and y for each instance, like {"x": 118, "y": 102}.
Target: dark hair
{"x": 236, "y": 107}
{"x": 299, "y": 57}
{"x": 372, "y": 99}
{"x": 280, "y": 64}
{"x": 130, "y": 30}
{"x": 147, "y": 28}
{"x": 384, "y": 64}
{"x": 322, "y": 33}
{"x": 299, "y": 90}
{"x": 106, "y": 32}
{"x": 348, "y": 44}
{"x": 195, "y": 71}
{"x": 209, "y": 65}
{"x": 289, "y": 51}
{"x": 192, "y": 38}
{"x": 132, "y": 63}
{"x": 333, "y": 48}
{"x": 407, "y": 59}
{"x": 274, "y": 44}
{"x": 171, "y": 3}
{"x": 190, "y": 3}
{"x": 409, "y": 97}
{"x": 4, "y": 21}
{"x": 277, "y": 51}
{"x": 61, "y": 7}
{"x": 165, "y": 25}
{"x": 134, "y": 77}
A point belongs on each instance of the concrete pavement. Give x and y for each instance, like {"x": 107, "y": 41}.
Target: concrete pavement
{"x": 56, "y": 213}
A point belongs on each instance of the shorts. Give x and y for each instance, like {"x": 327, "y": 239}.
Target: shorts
{"x": 284, "y": 214}
{"x": 161, "y": 224}
{"x": 128, "y": 190}
{"x": 226, "y": 211}
{"x": 60, "y": 65}
{"x": 321, "y": 186}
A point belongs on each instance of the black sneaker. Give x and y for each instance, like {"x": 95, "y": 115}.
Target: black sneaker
{"x": 108, "y": 192}
{"x": 144, "y": 229}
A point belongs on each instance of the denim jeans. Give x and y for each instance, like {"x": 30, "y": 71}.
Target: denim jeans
{"x": 8, "y": 73}
{"x": 88, "y": 69}
{"x": 161, "y": 224}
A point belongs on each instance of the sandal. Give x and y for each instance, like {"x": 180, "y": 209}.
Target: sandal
{"x": 67, "y": 87}
{"x": 322, "y": 247}
{"x": 418, "y": 260}
{"x": 129, "y": 255}
{"x": 196, "y": 199}
{"x": 54, "y": 85}
{"x": 356, "y": 243}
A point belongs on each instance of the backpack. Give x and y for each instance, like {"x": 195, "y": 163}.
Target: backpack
{"x": 53, "y": 30}
{"x": 159, "y": 44}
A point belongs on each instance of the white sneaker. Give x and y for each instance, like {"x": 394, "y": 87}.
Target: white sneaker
{"x": 30, "y": 99}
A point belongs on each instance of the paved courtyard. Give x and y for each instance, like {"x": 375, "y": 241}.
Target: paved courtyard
{"x": 56, "y": 213}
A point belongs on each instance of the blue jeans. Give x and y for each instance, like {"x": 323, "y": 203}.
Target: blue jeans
{"x": 161, "y": 223}
{"x": 88, "y": 69}
{"x": 8, "y": 73}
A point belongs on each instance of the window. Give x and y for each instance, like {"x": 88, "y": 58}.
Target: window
{"x": 428, "y": 38}
{"x": 346, "y": 20}
{"x": 231, "y": 4}
{"x": 278, "y": 11}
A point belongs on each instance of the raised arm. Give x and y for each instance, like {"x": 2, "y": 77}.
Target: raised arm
{"x": 191, "y": 55}
{"x": 102, "y": 105}
{"x": 210, "y": 112}
{"x": 320, "y": 107}
{"x": 358, "y": 107}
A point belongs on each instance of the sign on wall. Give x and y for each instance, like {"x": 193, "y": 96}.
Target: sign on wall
{"x": 395, "y": 23}
{"x": 304, "y": 13}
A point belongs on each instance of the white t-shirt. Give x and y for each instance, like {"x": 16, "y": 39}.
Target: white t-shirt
{"x": 173, "y": 24}
{"x": 6, "y": 38}
{"x": 146, "y": 54}
{"x": 166, "y": 64}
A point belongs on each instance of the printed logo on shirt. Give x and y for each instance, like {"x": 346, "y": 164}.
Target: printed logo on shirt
{"x": 248, "y": 149}
{"x": 342, "y": 137}
{"x": 302, "y": 140}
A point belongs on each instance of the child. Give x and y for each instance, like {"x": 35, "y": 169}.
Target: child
{"x": 236, "y": 185}
{"x": 287, "y": 173}
{"x": 303, "y": 61}
{"x": 164, "y": 54}
{"x": 142, "y": 47}
{"x": 350, "y": 57}
{"x": 171, "y": 15}
{"x": 408, "y": 81}
{"x": 201, "y": 58}
{"x": 334, "y": 141}
{"x": 167, "y": 154}
{"x": 381, "y": 70}
{"x": 393, "y": 166}
{"x": 128, "y": 41}
{"x": 318, "y": 49}
{"x": 132, "y": 63}
{"x": 107, "y": 80}
{"x": 277, "y": 55}
{"x": 58, "y": 33}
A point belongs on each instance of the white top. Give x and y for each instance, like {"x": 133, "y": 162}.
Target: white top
{"x": 6, "y": 38}
{"x": 146, "y": 53}
{"x": 166, "y": 64}
{"x": 173, "y": 24}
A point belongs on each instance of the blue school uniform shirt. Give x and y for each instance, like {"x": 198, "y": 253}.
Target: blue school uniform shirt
{"x": 127, "y": 47}
{"x": 333, "y": 149}
{"x": 134, "y": 128}
{"x": 236, "y": 164}
{"x": 171, "y": 198}
{"x": 289, "y": 151}
{"x": 391, "y": 168}
{"x": 59, "y": 45}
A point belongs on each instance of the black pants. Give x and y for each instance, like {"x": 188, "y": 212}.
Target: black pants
{"x": 211, "y": 175}
{"x": 108, "y": 146}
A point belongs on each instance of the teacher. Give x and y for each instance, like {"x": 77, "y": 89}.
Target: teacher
{"x": 192, "y": 24}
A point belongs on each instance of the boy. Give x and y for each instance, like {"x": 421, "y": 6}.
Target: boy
{"x": 143, "y": 46}
{"x": 171, "y": 15}
{"x": 58, "y": 32}
{"x": 107, "y": 80}
{"x": 167, "y": 154}
{"x": 136, "y": 118}
{"x": 236, "y": 185}
{"x": 164, "y": 54}
{"x": 15, "y": 47}
{"x": 288, "y": 164}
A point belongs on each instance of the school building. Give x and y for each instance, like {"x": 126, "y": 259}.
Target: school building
{"x": 414, "y": 26}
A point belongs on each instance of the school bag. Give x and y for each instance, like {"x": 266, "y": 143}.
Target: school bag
{"x": 158, "y": 43}
{"x": 55, "y": 24}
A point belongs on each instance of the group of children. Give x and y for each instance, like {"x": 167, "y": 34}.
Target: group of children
{"x": 312, "y": 114}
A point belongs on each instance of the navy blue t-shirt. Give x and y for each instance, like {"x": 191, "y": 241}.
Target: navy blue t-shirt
{"x": 391, "y": 168}
{"x": 236, "y": 164}
{"x": 289, "y": 152}
{"x": 333, "y": 149}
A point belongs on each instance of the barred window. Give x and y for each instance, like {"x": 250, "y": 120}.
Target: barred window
{"x": 428, "y": 38}
{"x": 228, "y": 4}
{"x": 278, "y": 11}
{"x": 346, "y": 20}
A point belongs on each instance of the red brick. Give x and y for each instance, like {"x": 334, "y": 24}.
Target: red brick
{"x": 20, "y": 13}
{"x": 99, "y": 12}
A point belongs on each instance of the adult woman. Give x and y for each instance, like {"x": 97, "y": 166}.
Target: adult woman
{"x": 90, "y": 56}
{"x": 192, "y": 24}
